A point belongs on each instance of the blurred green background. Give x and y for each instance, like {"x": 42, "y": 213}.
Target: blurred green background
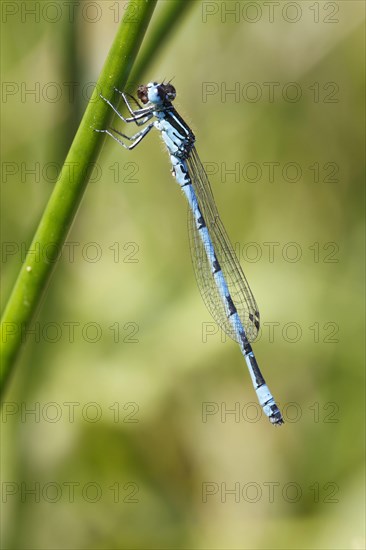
{"x": 131, "y": 443}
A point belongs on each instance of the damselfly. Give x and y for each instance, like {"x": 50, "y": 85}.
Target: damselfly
{"x": 222, "y": 282}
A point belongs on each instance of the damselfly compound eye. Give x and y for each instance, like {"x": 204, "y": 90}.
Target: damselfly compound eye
{"x": 170, "y": 92}
{"x": 142, "y": 94}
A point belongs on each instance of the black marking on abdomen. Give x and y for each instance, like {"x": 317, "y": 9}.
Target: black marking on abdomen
{"x": 230, "y": 303}
{"x": 216, "y": 265}
{"x": 185, "y": 174}
{"x": 259, "y": 380}
{"x": 187, "y": 181}
{"x": 200, "y": 222}
{"x": 247, "y": 347}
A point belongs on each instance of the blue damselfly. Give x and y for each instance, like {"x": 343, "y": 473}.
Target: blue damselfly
{"x": 220, "y": 277}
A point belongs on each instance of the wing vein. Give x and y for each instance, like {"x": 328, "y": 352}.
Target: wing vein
{"x": 237, "y": 283}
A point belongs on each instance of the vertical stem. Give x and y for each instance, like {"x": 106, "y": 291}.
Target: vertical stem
{"x": 65, "y": 199}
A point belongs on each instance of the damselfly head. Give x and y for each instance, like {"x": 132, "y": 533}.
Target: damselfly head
{"x": 159, "y": 94}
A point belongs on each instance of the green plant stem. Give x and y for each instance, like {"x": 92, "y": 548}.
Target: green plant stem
{"x": 165, "y": 22}
{"x": 65, "y": 199}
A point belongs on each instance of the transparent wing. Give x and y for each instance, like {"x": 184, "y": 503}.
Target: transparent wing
{"x": 237, "y": 284}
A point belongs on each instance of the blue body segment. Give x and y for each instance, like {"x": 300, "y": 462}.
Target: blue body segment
{"x": 222, "y": 282}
